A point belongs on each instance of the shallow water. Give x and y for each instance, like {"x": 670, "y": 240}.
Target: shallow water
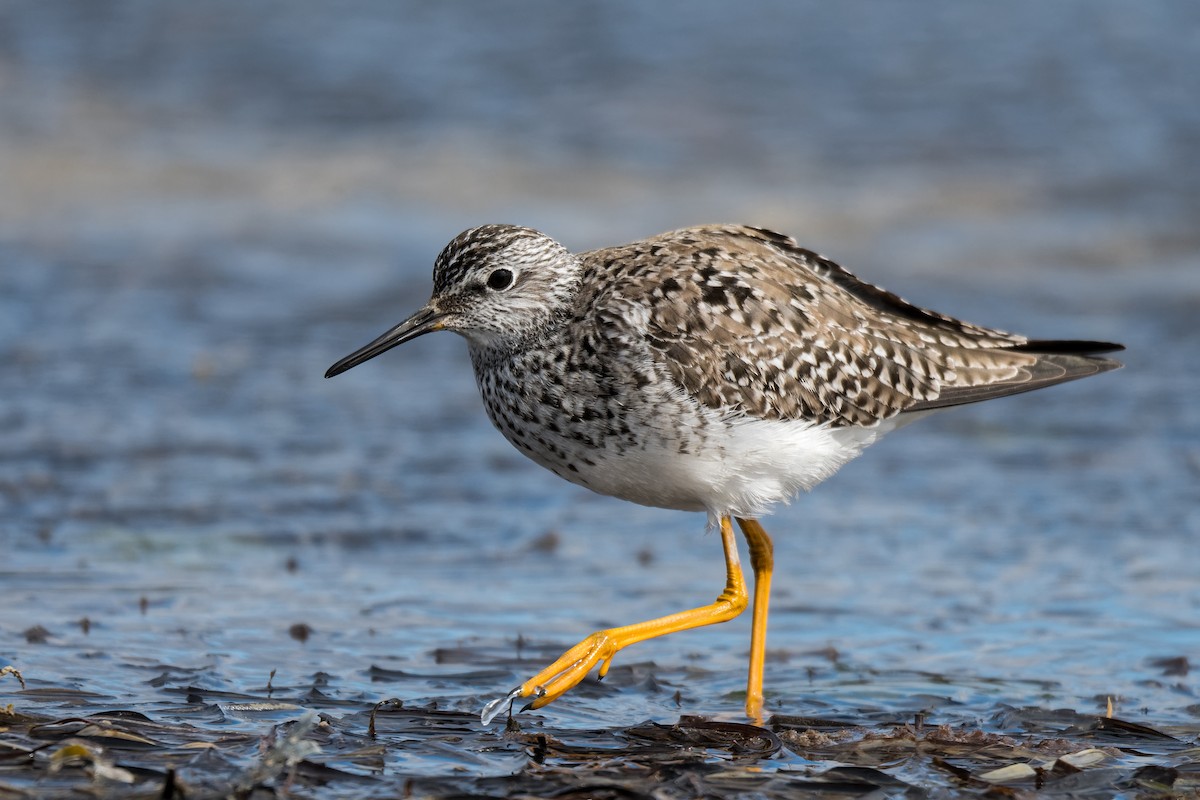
{"x": 206, "y": 206}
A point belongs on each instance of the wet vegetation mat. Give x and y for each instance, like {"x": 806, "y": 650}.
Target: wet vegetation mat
{"x": 314, "y": 746}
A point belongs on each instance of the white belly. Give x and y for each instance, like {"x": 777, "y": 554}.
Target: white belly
{"x": 746, "y": 466}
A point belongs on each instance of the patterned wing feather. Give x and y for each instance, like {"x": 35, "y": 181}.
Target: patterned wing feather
{"x": 747, "y": 321}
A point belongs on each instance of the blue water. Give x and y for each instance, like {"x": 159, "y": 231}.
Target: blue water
{"x": 205, "y": 205}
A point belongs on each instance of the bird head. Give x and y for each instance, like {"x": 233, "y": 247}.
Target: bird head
{"x": 496, "y": 285}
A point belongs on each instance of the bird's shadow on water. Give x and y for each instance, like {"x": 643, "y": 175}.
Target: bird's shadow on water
{"x": 296, "y": 740}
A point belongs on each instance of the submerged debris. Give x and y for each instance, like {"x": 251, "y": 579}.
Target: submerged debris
{"x": 392, "y": 748}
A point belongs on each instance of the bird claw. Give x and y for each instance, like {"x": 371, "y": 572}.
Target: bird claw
{"x": 493, "y": 708}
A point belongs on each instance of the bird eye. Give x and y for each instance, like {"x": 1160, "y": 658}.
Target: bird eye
{"x": 500, "y": 279}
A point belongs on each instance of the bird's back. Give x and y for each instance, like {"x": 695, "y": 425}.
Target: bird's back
{"x": 746, "y": 321}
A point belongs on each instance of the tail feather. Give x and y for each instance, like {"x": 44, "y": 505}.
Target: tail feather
{"x": 1055, "y": 362}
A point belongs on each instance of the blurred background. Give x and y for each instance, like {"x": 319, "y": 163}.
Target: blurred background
{"x": 203, "y": 205}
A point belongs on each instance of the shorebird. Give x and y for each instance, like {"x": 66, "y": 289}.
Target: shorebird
{"x": 721, "y": 369}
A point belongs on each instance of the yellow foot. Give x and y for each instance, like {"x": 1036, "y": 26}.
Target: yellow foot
{"x": 599, "y": 648}
{"x": 561, "y": 676}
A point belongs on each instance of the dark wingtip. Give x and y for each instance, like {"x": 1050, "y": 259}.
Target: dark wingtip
{"x": 1067, "y": 347}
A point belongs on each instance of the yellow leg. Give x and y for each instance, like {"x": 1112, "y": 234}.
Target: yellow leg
{"x": 762, "y": 560}
{"x": 599, "y": 648}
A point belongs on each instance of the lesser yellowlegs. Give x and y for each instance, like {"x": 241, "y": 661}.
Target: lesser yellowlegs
{"x": 719, "y": 369}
